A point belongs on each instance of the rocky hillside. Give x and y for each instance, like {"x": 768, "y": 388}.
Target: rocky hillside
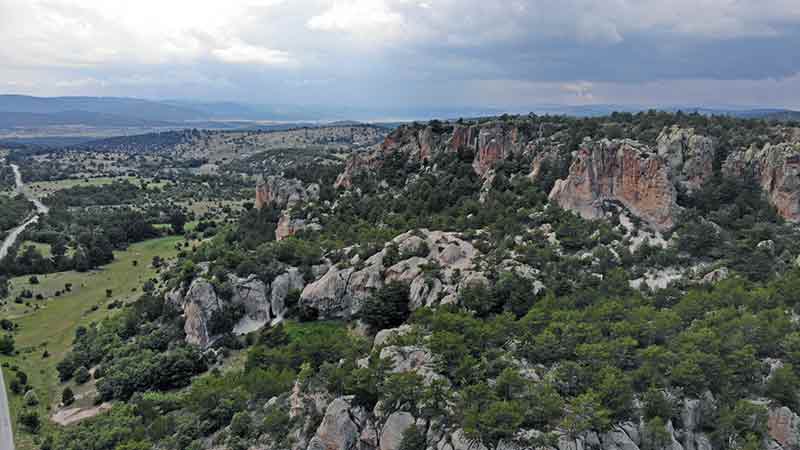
{"x": 641, "y": 177}
{"x": 626, "y": 282}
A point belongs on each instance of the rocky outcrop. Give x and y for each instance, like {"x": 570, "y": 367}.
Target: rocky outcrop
{"x": 716, "y": 276}
{"x": 384, "y": 336}
{"x": 495, "y": 143}
{"x": 411, "y": 359}
{"x": 393, "y": 429}
{"x": 341, "y": 291}
{"x": 281, "y": 286}
{"x": 251, "y": 293}
{"x": 284, "y": 193}
{"x": 689, "y": 155}
{"x": 288, "y": 226}
{"x": 784, "y": 428}
{"x": 621, "y": 171}
{"x": 330, "y": 295}
{"x": 199, "y": 303}
{"x": 414, "y": 143}
{"x": 262, "y": 303}
{"x": 777, "y": 170}
{"x": 341, "y": 427}
{"x": 490, "y": 142}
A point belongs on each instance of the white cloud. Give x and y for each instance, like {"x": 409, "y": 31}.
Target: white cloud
{"x": 241, "y": 53}
{"x": 355, "y": 15}
{"x": 582, "y": 90}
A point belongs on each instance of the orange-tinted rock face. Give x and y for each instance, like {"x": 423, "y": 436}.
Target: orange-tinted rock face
{"x": 777, "y": 169}
{"x": 490, "y": 142}
{"x": 782, "y": 425}
{"x": 464, "y": 138}
{"x": 622, "y": 171}
{"x": 497, "y": 143}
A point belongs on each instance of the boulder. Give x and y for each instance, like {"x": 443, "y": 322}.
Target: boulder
{"x": 393, "y": 429}
{"x": 281, "y": 286}
{"x": 618, "y": 439}
{"x": 767, "y": 246}
{"x": 199, "y": 303}
{"x": 411, "y": 359}
{"x": 424, "y": 291}
{"x": 383, "y": 336}
{"x": 715, "y": 276}
{"x": 340, "y": 428}
{"x": 251, "y": 293}
{"x": 329, "y": 295}
{"x": 457, "y": 441}
{"x": 784, "y": 427}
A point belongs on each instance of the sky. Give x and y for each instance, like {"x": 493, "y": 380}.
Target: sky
{"x": 407, "y": 53}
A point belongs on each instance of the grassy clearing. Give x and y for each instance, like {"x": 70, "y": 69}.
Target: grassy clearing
{"x": 205, "y": 206}
{"x": 44, "y": 249}
{"x": 45, "y": 188}
{"x": 50, "y": 324}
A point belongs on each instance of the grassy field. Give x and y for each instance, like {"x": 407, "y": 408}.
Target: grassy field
{"x": 52, "y": 325}
{"x": 44, "y": 188}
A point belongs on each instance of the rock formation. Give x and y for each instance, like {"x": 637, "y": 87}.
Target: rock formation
{"x": 341, "y": 291}
{"x": 341, "y": 427}
{"x": 262, "y": 303}
{"x": 252, "y": 294}
{"x": 284, "y": 193}
{"x": 623, "y": 171}
{"x": 288, "y": 226}
{"x": 689, "y": 155}
{"x": 784, "y": 428}
{"x": 199, "y": 303}
{"x": 777, "y": 169}
{"x": 489, "y": 142}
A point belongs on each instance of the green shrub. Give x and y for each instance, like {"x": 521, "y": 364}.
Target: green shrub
{"x": 386, "y": 308}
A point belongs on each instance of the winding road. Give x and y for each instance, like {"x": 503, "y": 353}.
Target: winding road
{"x": 6, "y": 434}
{"x": 40, "y": 209}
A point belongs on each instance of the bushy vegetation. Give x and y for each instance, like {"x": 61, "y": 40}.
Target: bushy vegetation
{"x": 15, "y": 210}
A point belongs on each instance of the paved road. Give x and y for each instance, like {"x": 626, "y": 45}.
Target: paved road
{"x": 40, "y": 209}
{"x": 6, "y": 436}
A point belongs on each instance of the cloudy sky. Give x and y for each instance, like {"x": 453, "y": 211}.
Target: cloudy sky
{"x": 370, "y": 53}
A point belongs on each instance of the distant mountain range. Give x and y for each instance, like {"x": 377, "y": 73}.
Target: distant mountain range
{"x": 21, "y": 111}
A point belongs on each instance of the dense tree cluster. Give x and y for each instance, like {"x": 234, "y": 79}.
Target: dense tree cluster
{"x": 15, "y": 210}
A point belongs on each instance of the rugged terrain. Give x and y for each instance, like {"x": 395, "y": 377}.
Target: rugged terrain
{"x": 626, "y": 282}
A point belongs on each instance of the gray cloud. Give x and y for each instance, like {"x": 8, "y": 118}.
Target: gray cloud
{"x": 407, "y": 52}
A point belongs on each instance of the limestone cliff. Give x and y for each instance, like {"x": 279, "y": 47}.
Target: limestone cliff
{"x": 777, "y": 170}
{"x": 623, "y": 171}
{"x": 642, "y": 179}
{"x": 690, "y": 156}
